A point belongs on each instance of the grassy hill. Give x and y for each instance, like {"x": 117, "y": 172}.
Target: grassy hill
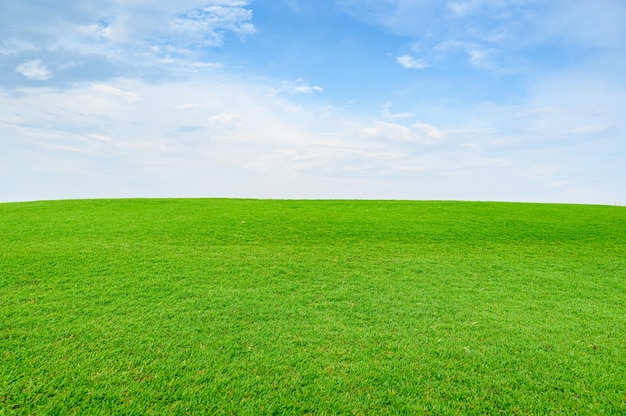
{"x": 214, "y": 306}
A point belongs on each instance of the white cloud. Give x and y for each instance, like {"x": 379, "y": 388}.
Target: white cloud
{"x": 98, "y": 31}
{"x": 417, "y": 133}
{"x": 479, "y": 58}
{"x": 142, "y": 110}
{"x": 122, "y": 31}
{"x": 128, "y": 96}
{"x": 207, "y": 24}
{"x": 299, "y": 6}
{"x": 229, "y": 136}
{"x": 408, "y": 62}
{"x": 389, "y": 131}
{"x": 187, "y": 107}
{"x": 459, "y": 8}
{"x": 34, "y": 70}
{"x": 185, "y": 22}
{"x": 306, "y": 89}
{"x": 300, "y": 87}
{"x": 427, "y": 129}
{"x": 388, "y": 114}
{"x": 476, "y": 54}
{"x": 226, "y": 120}
{"x": 491, "y": 8}
{"x": 204, "y": 127}
{"x": 11, "y": 46}
{"x": 505, "y": 36}
{"x": 598, "y": 24}
{"x": 207, "y": 65}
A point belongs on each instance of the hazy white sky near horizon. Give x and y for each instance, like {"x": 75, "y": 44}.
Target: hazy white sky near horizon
{"x": 509, "y": 100}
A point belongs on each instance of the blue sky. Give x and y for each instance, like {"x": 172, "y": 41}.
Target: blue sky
{"x": 506, "y": 100}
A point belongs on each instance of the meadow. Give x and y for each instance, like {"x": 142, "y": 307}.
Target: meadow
{"x": 245, "y": 307}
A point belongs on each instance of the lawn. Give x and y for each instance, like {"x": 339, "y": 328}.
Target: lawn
{"x": 218, "y": 306}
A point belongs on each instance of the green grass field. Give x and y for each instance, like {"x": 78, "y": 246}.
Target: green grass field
{"x": 243, "y": 307}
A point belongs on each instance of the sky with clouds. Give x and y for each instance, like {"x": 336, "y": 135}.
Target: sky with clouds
{"x": 506, "y": 100}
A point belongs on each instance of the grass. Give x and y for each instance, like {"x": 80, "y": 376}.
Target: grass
{"x": 311, "y": 307}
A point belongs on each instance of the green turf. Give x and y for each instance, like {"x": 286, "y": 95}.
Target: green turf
{"x": 311, "y": 307}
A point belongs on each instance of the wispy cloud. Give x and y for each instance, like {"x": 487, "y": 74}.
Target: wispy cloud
{"x": 108, "y": 90}
{"x": 207, "y": 25}
{"x": 408, "y": 62}
{"x": 496, "y": 34}
{"x": 306, "y": 89}
{"x": 34, "y": 70}
{"x": 416, "y": 133}
{"x": 462, "y": 8}
{"x": 521, "y": 99}
{"x": 300, "y": 87}
{"x": 115, "y": 39}
{"x": 226, "y": 121}
{"x": 387, "y": 113}
{"x": 232, "y": 125}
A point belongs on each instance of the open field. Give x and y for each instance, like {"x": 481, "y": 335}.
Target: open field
{"x": 311, "y": 307}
